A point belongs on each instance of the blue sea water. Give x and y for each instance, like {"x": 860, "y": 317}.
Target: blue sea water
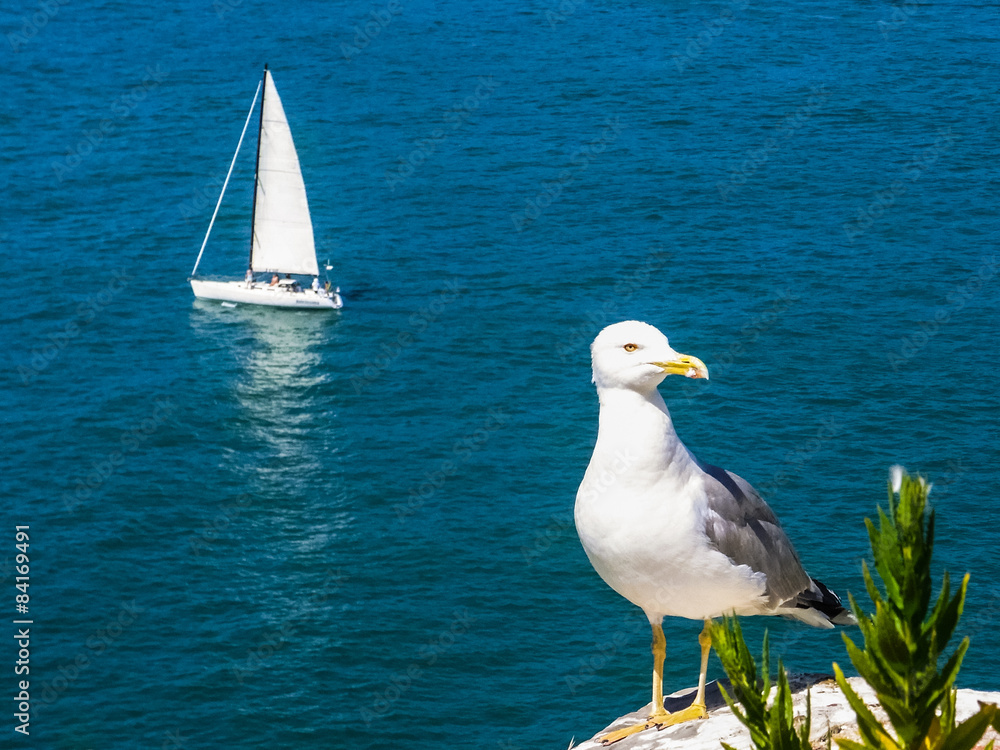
{"x": 261, "y": 528}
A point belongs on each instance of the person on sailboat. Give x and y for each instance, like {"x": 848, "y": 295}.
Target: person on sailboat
{"x": 274, "y": 280}
{"x": 315, "y": 284}
{"x": 249, "y": 278}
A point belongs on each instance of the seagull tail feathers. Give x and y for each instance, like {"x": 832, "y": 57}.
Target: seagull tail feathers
{"x": 819, "y": 607}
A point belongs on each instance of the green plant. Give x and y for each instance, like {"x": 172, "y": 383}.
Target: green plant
{"x": 905, "y": 639}
{"x": 905, "y": 643}
{"x": 771, "y": 727}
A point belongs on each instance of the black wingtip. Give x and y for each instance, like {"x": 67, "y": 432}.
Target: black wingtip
{"x": 827, "y": 603}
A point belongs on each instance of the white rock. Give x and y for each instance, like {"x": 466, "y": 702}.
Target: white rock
{"x": 831, "y": 716}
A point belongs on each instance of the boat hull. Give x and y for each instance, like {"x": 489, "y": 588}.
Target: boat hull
{"x": 268, "y": 296}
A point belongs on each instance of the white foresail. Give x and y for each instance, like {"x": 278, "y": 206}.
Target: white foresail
{"x": 282, "y": 231}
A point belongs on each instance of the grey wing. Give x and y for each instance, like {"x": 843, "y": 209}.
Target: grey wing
{"x": 742, "y": 526}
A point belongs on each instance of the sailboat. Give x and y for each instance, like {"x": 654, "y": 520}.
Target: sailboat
{"x": 281, "y": 243}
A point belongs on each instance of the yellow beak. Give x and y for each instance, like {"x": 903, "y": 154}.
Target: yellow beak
{"x": 682, "y": 364}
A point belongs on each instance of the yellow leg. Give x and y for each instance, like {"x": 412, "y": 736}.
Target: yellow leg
{"x": 660, "y": 717}
{"x": 659, "y": 656}
{"x": 659, "y": 714}
{"x": 698, "y": 709}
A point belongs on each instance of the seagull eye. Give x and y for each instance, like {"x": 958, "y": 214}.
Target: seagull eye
{"x": 630, "y": 347}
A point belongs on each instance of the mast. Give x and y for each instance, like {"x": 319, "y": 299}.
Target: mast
{"x": 256, "y": 165}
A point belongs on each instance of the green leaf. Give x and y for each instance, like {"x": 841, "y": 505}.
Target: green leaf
{"x": 905, "y": 638}
{"x": 771, "y": 727}
{"x": 969, "y": 732}
{"x": 873, "y": 592}
{"x": 946, "y": 619}
{"x": 871, "y": 730}
{"x": 765, "y": 657}
{"x": 851, "y": 745}
{"x": 806, "y": 727}
{"x": 950, "y": 671}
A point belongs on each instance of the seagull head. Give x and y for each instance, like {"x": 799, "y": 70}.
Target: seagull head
{"x": 638, "y": 357}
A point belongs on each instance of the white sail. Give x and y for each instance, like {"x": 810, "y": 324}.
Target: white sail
{"x": 282, "y": 231}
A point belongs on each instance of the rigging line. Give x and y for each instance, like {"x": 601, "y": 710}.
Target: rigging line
{"x": 224, "y": 184}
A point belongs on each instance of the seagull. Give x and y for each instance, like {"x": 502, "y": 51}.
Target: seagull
{"x": 675, "y": 536}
